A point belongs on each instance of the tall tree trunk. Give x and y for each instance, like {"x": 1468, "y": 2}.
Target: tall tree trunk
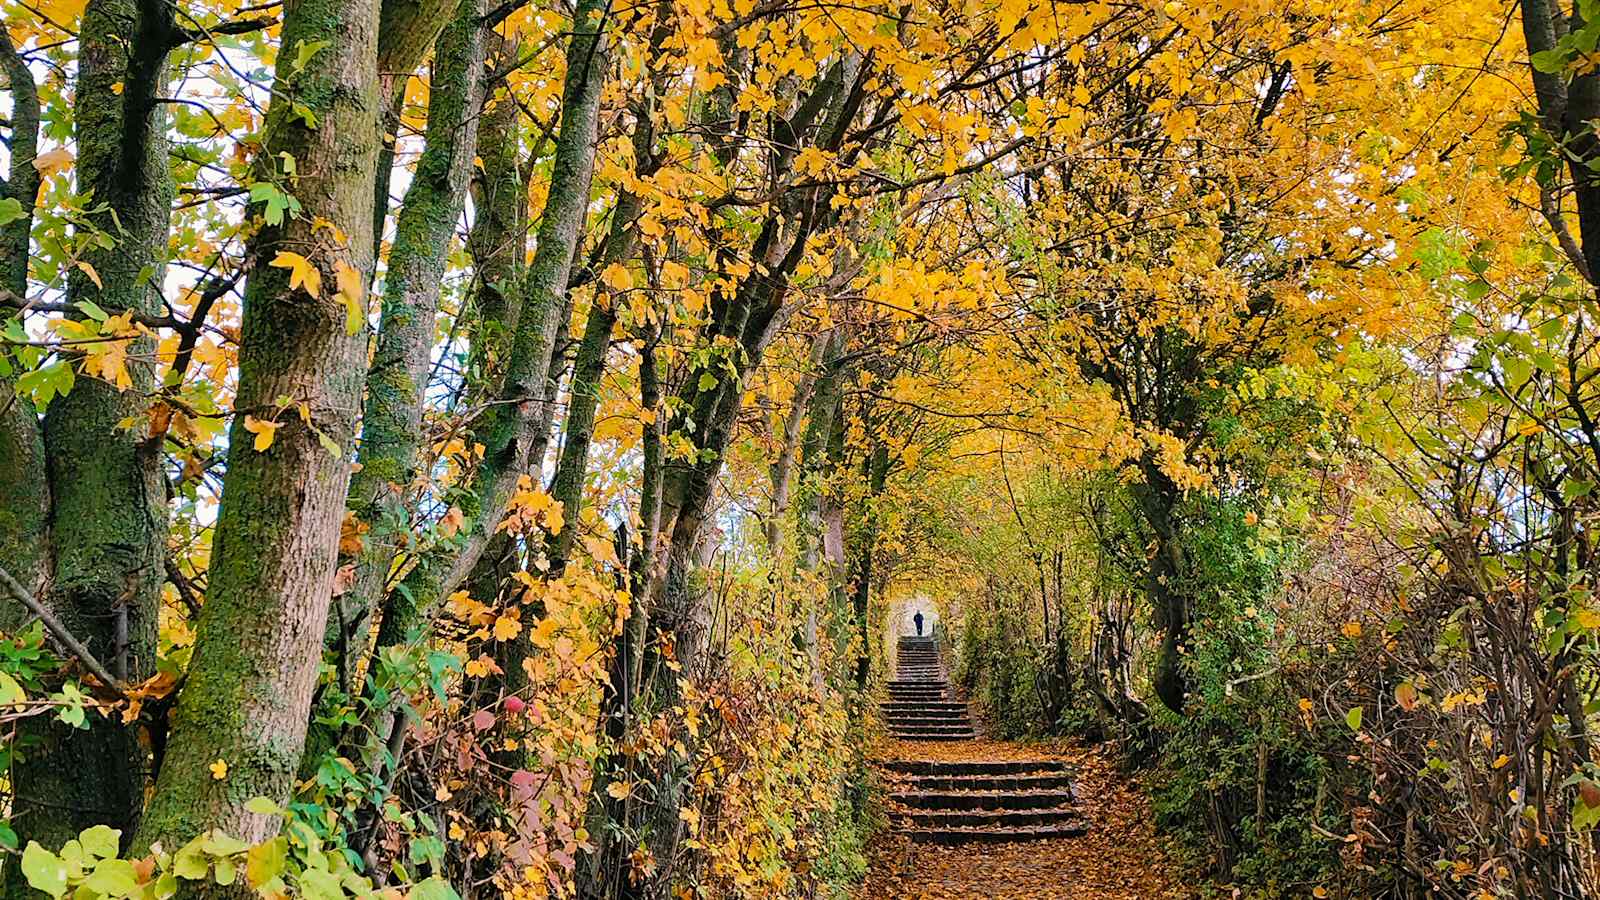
{"x": 108, "y": 496}
{"x": 24, "y": 491}
{"x": 247, "y": 698}
{"x": 510, "y": 427}
{"x": 391, "y": 426}
{"x": 1164, "y": 584}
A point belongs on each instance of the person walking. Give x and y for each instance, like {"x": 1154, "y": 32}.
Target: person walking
{"x": 918, "y": 619}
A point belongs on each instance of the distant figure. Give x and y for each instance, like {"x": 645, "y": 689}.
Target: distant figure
{"x": 918, "y": 619}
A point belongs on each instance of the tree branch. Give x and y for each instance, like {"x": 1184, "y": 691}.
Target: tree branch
{"x": 61, "y": 634}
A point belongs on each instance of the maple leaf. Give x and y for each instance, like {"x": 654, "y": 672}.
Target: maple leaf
{"x": 53, "y": 162}
{"x": 264, "y": 430}
{"x": 303, "y": 274}
{"x": 507, "y": 626}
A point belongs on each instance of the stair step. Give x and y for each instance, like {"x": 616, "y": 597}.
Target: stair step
{"x": 958, "y": 736}
{"x": 995, "y": 835}
{"x": 961, "y": 783}
{"x": 930, "y": 727}
{"x": 974, "y": 767}
{"x": 949, "y": 718}
{"x": 982, "y": 800}
{"x": 989, "y": 818}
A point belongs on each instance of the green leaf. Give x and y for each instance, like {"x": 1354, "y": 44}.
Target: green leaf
{"x": 47, "y": 382}
{"x": 44, "y": 870}
{"x": 227, "y": 872}
{"x": 317, "y": 884}
{"x": 708, "y": 381}
{"x": 298, "y": 110}
{"x": 8, "y": 836}
{"x": 191, "y": 862}
{"x": 1573, "y": 488}
{"x": 218, "y": 843}
{"x": 10, "y": 691}
{"x": 263, "y": 806}
{"x": 1353, "y": 718}
{"x": 434, "y": 888}
{"x": 100, "y": 841}
{"x": 92, "y": 311}
{"x": 10, "y": 210}
{"x": 1548, "y": 61}
{"x": 113, "y": 878}
{"x": 266, "y": 861}
{"x": 304, "y": 51}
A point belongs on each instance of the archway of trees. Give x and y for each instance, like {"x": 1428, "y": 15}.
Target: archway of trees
{"x": 453, "y": 448}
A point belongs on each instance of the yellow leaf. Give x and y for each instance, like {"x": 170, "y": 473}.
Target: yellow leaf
{"x": 1405, "y": 694}
{"x": 507, "y": 626}
{"x": 264, "y": 431}
{"x": 1351, "y": 629}
{"x": 620, "y": 789}
{"x": 49, "y": 163}
{"x": 219, "y": 770}
{"x": 93, "y": 275}
{"x": 302, "y": 274}
{"x": 616, "y": 277}
{"x": 352, "y": 293}
{"x": 1501, "y": 761}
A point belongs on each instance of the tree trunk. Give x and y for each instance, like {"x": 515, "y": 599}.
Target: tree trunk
{"x": 247, "y": 697}
{"x": 24, "y": 491}
{"x": 108, "y": 497}
{"x": 1165, "y": 585}
{"x": 509, "y": 429}
{"x": 391, "y": 426}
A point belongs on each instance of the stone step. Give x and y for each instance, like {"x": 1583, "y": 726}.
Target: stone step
{"x": 927, "y": 715}
{"x": 930, "y": 729}
{"x": 990, "y": 767}
{"x": 995, "y": 835}
{"x": 982, "y": 800}
{"x": 989, "y": 818}
{"x": 962, "y": 783}
{"x": 896, "y": 705}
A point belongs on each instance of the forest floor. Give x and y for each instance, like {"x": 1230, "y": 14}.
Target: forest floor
{"x": 1120, "y": 858}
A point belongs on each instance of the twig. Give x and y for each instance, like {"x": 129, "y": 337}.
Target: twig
{"x": 62, "y": 635}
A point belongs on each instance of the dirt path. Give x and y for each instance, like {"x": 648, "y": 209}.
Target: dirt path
{"x": 1119, "y": 858}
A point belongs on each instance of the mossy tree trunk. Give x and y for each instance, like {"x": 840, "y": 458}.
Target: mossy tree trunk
{"x": 258, "y": 645}
{"x": 24, "y": 492}
{"x": 510, "y": 428}
{"x": 391, "y": 427}
{"x": 107, "y": 495}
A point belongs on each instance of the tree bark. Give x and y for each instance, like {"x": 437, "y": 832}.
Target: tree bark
{"x": 24, "y": 491}
{"x": 391, "y": 426}
{"x": 247, "y": 697}
{"x": 510, "y": 426}
{"x": 108, "y": 517}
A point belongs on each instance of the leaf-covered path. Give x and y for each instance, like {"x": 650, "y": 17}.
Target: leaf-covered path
{"x": 1119, "y": 858}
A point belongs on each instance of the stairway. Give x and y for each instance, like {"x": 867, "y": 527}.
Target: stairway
{"x": 961, "y": 801}
{"x": 953, "y": 801}
{"x": 920, "y": 707}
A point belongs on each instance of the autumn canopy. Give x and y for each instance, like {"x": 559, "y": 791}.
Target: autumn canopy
{"x": 460, "y": 448}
